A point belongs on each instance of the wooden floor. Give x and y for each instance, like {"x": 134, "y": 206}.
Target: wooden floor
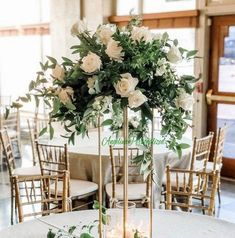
{"x": 226, "y": 212}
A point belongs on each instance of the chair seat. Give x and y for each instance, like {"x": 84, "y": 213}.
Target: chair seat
{"x": 78, "y": 188}
{"x": 180, "y": 180}
{"x": 209, "y": 166}
{"x": 29, "y": 171}
{"x": 136, "y": 191}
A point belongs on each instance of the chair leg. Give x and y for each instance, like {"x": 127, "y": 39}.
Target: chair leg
{"x": 203, "y": 204}
{"x": 12, "y": 204}
{"x": 219, "y": 197}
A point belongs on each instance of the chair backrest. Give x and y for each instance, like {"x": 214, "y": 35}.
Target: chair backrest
{"x": 184, "y": 185}
{"x": 38, "y": 195}
{"x": 39, "y": 124}
{"x": 201, "y": 151}
{"x": 219, "y": 146}
{"x": 53, "y": 159}
{"x": 12, "y": 122}
{"x": 8, "y": 151}
{"x": 32, "y": 137}
{"x": 134, "y": 176}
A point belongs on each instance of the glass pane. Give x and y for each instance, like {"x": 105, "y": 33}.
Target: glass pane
{"x": 15, "y": 12}
{"x": 226, "y": 115}
{"x": 125, "y": 6}
{"x": 227, "y": 64}
{"x": 151, "y": 6}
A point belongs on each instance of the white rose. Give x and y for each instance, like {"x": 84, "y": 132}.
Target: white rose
{"x": 126, "y": 85}
{"x": 91, "y": 82}
{"x": 114, "y": 51}
{"x": 78, "y": 27}
{"x": 161, "y": 67}
{"x": 91, "y": 63}
{"x": 174, "y": 55}
{"x": 104, "y": 32}
{"x": 134, "y": 122}
{"x": 139, "y": 33}
{"x": 96, "y": 105}
{"x": 65, "y": 94}
{"x": 185, "y": 100}
{"x": 58, "y": 72}
{"x": 136, "y": 99}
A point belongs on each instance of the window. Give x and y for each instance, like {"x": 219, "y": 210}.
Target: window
{"x": 153, "y": 6}
{"x": 24, "y": 41}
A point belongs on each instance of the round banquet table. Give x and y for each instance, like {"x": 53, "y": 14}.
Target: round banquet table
{"x": 84, "y": 160}
{"x": 166, "y": 224}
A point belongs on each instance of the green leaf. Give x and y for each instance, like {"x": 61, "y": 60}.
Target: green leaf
{"x": 86, "y": 235}
{"x": 70, "y": 106}
{"x": 51, "y": 131}
{"x": 24, "y": 99}
{"x": 7, "y": 111}
{"x": 146, "y": 110}
{"x": 71, "y": 229}
{"x": 191, "y": 53}
{"x": 53, "y": 60}
{"x": 56, "y": 105}
{"x": 72, "y": 138}
{"x": 107, "y": 122}
{"x": 16, "y": 105}
{"x": 43, "y": 131}
{"x": 67, "y": 60}
{"x": 51, "y": 234}
{"x": 184, "y": 146}
{"x": 31, "y": 85}
{"x": 175, "y": 42}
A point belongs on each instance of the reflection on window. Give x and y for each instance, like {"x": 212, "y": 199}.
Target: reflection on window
{"x": 227, "y": 64}
{"x": 154, "y": 6}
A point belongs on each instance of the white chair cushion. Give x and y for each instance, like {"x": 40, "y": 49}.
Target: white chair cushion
{"x": 209, "y": 166}
{"x": 78, "y": 187}
{"x": 30, "y": 171}
{"x": 180, "y": 179}
{"x": 136, "y": 191}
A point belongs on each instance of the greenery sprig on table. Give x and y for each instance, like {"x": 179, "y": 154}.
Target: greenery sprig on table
{"x": 117, "y": 68}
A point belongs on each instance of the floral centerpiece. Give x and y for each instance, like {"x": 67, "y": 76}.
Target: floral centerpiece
{"x": 117, "y": 68}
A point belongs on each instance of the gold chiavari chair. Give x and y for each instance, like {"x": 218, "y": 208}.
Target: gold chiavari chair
{"x": 12, "y": 123}
{"x": 217, "y": 162}
{"x": 183, "y": 186}
{"x": 138, "y": 189}
{"x": 54, "y": 159}
{"x": 20, "y": 172}
{"x": 201, "y": 152}
{"x": 200, "y": 156}
{"x": 39, "y": 195}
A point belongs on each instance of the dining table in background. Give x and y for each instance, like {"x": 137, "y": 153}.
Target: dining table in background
{"x": 84, "y": 159}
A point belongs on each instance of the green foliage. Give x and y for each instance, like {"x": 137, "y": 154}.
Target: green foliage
{"x": 77, "y": 97}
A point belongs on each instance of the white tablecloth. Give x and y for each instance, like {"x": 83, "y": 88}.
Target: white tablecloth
{"x": 84, "y": 163}
{"x": 166, "y": 224}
